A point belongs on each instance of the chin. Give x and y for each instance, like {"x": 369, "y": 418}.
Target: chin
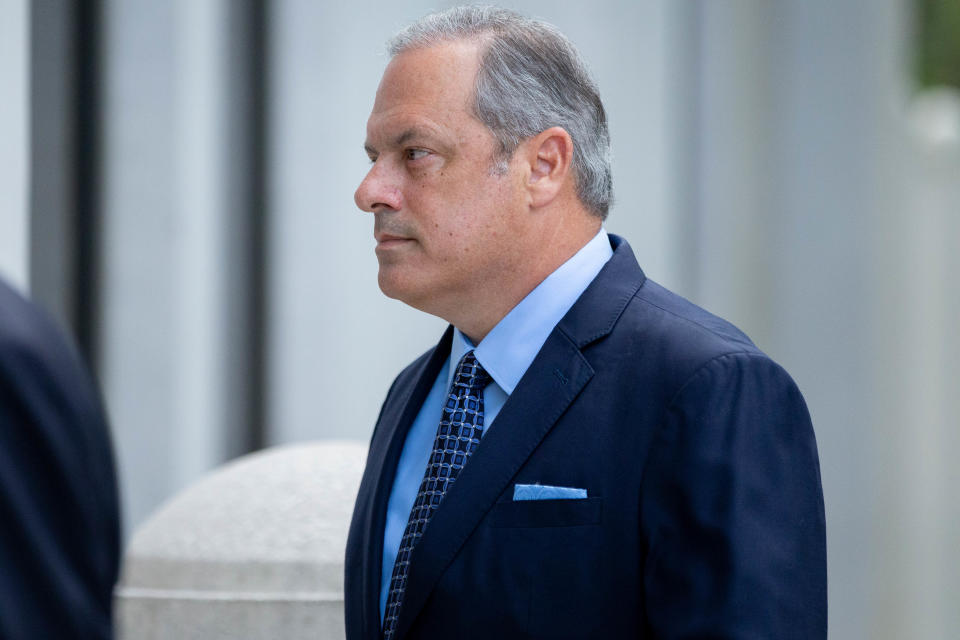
{"x": 407, "y": 290}
{"x": 387, "y": 286}
{"x": 393, "y": 285}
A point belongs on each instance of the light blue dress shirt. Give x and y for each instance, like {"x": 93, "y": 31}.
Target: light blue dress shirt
{"x": 506, "y": 353}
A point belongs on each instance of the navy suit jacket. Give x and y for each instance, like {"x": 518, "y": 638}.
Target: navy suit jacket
{"x": 59, "y": 524}
{"x": 704, "y": 511}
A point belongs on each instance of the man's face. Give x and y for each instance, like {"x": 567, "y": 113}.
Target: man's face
{"x": 446, "y": 225}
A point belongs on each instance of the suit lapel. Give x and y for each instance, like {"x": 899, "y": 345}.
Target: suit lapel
{"x": 381, "y": 468}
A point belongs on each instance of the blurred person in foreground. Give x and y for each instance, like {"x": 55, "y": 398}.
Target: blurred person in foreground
{"x": 584, "y": 454}
{"x": 59, "y": 520}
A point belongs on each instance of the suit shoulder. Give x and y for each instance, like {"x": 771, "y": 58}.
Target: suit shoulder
{"x": 30, "y": 342}
{"x": 23, "y": 327}
{"x": 41, "y": 369}
{"x": 676, "y": 337}
{"x": 690, "y": 320}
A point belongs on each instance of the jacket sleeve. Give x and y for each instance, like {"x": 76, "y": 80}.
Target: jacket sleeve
{"x": 732, "y": 508}
{"x": 59, "y": 538}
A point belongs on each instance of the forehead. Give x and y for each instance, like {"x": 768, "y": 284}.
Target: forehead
{"x": 430, "y": 88}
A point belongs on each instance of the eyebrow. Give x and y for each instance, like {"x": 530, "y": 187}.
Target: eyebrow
{"x": 404, "y": 137}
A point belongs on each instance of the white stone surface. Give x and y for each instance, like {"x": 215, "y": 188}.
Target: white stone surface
{"x": 253, "y": 550}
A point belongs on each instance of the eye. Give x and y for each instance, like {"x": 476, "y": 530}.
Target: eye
{"x": 416, "y": 154}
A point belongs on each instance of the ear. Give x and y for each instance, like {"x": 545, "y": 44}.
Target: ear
{"x": 550, "y": 158}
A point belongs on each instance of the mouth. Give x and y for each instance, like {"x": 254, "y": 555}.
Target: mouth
{"x": 387, "y": 241}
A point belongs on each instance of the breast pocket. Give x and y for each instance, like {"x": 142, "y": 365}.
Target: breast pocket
{"x": 551, "y": 551}
{"x": 546, "y": 513}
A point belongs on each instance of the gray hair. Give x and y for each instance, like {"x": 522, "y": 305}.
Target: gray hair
{"x": 531, "y": 78}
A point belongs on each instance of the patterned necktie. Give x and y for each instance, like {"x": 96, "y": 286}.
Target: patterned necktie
{"x": 457, "y": 438}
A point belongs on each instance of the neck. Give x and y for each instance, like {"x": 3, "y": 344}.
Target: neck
{"x": 492, "y": 299}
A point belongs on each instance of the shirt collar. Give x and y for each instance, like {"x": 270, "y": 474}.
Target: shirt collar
{"x": 508, "y": 350}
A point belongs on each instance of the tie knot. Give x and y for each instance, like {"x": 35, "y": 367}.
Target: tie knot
{"x": 470, "y": 373}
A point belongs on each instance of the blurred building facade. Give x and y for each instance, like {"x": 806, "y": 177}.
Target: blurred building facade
{"x": 180, "y": 180}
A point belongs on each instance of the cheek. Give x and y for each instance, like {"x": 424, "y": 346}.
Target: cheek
{"x": 461, "y": 215}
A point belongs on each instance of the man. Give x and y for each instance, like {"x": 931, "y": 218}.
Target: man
{"x": 584, "y": 454}
{"x": 59, "y": 523}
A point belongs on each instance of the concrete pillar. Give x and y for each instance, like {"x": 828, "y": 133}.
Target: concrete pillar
{"x": 14, "y": 128}
{"x": 924, "y": 378}
{"x": 175, "y": 362}
{"x": 253, "y": 550}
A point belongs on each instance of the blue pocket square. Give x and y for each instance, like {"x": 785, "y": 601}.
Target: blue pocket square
{"x": 546, "y": 492}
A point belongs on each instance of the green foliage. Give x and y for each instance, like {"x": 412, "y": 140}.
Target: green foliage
{"x": 938, "y": 42}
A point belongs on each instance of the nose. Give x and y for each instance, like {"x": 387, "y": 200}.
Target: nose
{"x": 378, "y": 191}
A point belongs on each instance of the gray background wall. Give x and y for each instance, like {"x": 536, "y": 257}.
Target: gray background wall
{"x": 772, "y": 163}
